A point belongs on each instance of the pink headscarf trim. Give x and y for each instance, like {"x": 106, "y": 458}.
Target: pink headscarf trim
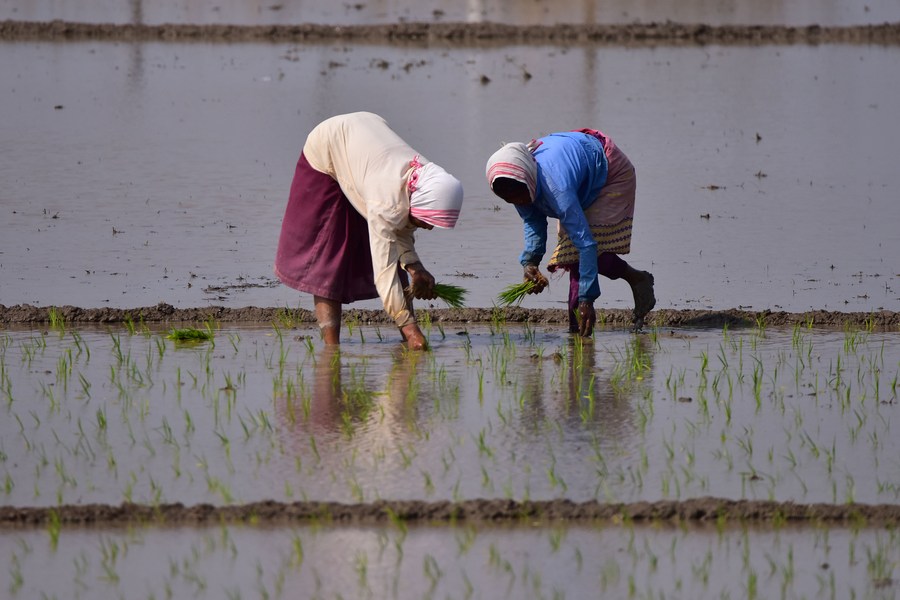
{"x": 514, "y": 161}
{"x": 435, "y": 196}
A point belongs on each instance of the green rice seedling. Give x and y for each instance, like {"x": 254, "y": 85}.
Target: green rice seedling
{"x": 192, "y": 335}
{"x": 234, "y": 338}
{"x": 351, "y": 323}
{"x": 296, "y": 551}
{"x": 512, "y": 295}
{"x": 453, "y": 295}
{"x": 432, "y": 571}
{"x": 53, "y": 528}
{"x": 129, "y": 324}
{"x": 16, "y": 577}
{"x": 361, "y": 566}
{"x": 57, "y": 321}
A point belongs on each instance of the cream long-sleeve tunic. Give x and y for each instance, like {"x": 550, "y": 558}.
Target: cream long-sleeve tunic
{"x": 372, "y": 165}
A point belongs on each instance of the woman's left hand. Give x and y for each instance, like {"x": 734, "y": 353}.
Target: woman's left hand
{"x": 422, "y": 282}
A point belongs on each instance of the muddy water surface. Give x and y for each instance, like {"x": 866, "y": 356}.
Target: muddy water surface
{"x": 135, "y": 173}
{"x": 93, "y": 430}
{"x": 298, "y": 452}
{"x": 139, "y": 172}
{"x": 265, "y": 413}
{"x": 396, "y": 561}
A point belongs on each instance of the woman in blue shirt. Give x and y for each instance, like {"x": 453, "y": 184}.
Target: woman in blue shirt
{"x": 586, "y": 182}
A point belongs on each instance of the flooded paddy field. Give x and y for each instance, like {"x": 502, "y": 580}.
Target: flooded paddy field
{"x": 142, "y": 171}
{"x": 511, "y": 459}
{"x": 743, "y": 445}
{"x": 535, "y": 559}
{"x": 492, "y": 411}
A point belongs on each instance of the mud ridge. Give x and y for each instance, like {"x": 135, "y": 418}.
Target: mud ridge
{"x": 471, "y": 34}
{"x": 699, "y": 510}
{"x": 26, "y": 314}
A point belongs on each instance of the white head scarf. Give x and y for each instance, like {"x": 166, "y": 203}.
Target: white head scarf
{"x": 435, "y": 196}
{"x": 514, "y": 161}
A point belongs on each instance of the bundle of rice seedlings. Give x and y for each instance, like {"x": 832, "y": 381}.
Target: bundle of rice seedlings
{"x": 453, "y": 295}
{"x": 190, "y": 334}
{"x": 515, "y": 293}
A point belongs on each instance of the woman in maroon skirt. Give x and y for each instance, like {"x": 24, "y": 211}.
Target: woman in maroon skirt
{"x": 358, "y": 195}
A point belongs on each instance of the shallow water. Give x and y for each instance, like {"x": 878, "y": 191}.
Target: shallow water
{"x": 145, "y": 172}
{"x": 519, "y": 12}
{"x": 492, "y": 412}
{"x": 453, "y": 562}
{"x": 134, "y": 173}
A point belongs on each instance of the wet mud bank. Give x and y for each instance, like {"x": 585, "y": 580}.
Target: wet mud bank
{"x": 698, "y": 510}
{"x": 641, "y": 34}
{"x": 26, "y": 314}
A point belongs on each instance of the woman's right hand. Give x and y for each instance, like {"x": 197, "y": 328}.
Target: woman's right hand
{"x": 533, "y": 274}
{"x": 414, "y": 338}
{"x": 421, "y": 282}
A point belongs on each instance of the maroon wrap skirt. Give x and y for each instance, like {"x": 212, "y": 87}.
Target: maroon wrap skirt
{"x": 324, "y": 244}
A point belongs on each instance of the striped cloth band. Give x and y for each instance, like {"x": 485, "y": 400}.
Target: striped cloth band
{"x": 514, "y": 161}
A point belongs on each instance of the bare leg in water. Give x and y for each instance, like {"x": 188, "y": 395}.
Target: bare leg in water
{"x": 612, "y": 266}
{"x": 328, "y": 314}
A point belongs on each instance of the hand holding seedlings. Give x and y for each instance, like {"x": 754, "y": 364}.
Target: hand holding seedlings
{"x": 453, "y": 295}
{"x": 534, "y": 283}
{"x": 534, "y": 275}
{"x": 515, "y": 293}
{"x": 422, "y": 282}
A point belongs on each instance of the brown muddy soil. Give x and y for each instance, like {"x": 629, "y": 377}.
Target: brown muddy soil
{"x": 639, "y": 34}
{"x": 26, "y": 314}
{"x": 697, "y": 510}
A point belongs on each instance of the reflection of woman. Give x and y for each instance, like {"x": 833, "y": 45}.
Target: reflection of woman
{"x": 584, "y": 180}
{"x": 359, "y": 193}
{"x": 333, "y": 399}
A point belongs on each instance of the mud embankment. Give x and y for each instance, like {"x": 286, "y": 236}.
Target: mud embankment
{"x": 26, "y": 314}
{"x": 699, "y": 510}
{"x": 473, "y": 34}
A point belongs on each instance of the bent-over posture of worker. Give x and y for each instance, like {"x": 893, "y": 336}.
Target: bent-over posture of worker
{"x": 583, "y": 179}
{"x": 358, "y": 195}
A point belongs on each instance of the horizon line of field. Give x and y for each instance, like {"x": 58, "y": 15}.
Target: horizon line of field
{"x": 476, "y": 33}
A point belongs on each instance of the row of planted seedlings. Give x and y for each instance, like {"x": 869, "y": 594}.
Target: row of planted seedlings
{"x": 800, "y": 414}
{"x": 631, "y": 408}
{"x": 736, "y": 414}
{"x": 398, "y": 560}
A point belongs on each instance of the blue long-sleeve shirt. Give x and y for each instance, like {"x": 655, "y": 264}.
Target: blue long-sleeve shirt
{"x": 571, "y": 169}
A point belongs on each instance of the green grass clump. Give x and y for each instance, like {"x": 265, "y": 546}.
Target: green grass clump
{"x": 515, "y": 293}
{"x": 191, "y": 334}
{"x": 453, "y": 295}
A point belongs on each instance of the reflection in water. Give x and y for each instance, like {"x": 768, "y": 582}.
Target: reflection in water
{"x": 344, "y": 407}
{"x": 584, "y": 393}
{"x": 136, "y": 54}
{"x": 605, "y": 395}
